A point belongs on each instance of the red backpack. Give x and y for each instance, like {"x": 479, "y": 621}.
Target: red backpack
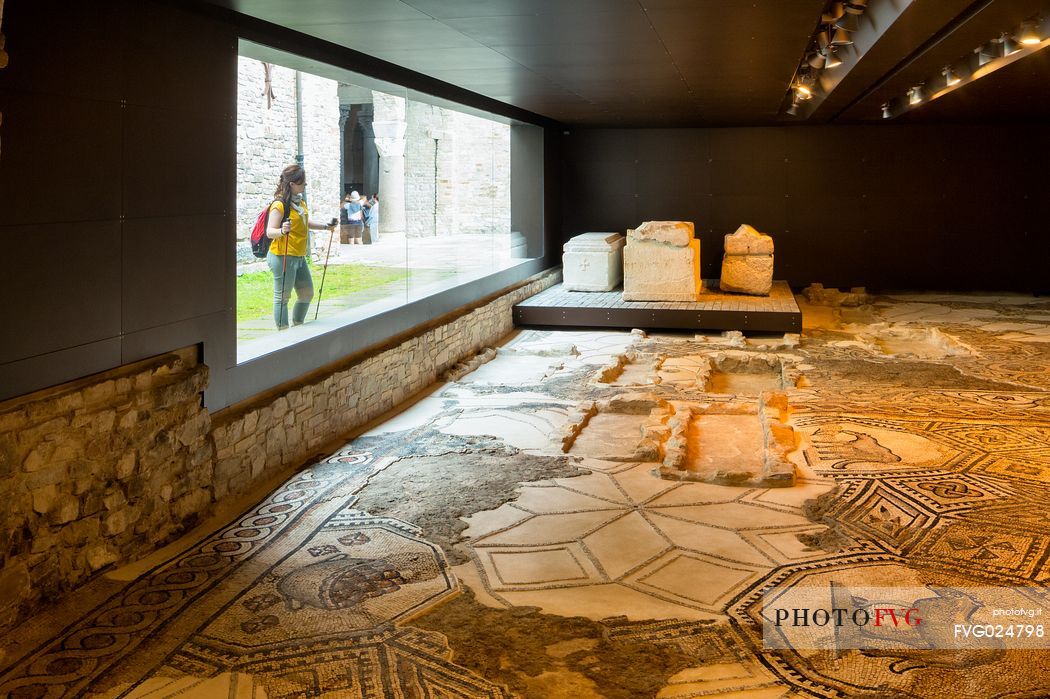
{"x": 261, "y": 241}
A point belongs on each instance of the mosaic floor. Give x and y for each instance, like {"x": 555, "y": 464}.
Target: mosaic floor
{"x": 475, "y": 545}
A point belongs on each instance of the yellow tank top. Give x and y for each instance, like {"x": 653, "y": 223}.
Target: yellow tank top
{"x": 296, "y": 239}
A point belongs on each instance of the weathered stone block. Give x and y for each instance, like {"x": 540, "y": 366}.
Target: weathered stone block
{"x": 747, "y": 265}
{"x": 747, "y": 274}
{"x": 745, "y": 240}
{"x": 656, "y": 271}
{"x": 676, "y": 233}
{"x": 593, "y": 262}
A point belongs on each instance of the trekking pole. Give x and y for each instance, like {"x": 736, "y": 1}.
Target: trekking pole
{"x": 285, "y": 291}
{"x": 331, "y": 232}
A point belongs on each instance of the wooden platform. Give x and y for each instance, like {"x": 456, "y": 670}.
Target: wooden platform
{"x": 715, "y": 310}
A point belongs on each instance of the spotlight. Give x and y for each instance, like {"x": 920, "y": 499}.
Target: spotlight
{"x": 793, "y": 109}
{"x": 1029, "y": 34}
{"x": 984, "y": 55}
{"x": 831, "y": 60}
{"x": 849, "y": 22}
{"x": 803, "y": 92}
{"x": 823, "y": 40}
{"x": 841, "y": 38}
{"x": 1009, "y": 45}
{"x": 836, "y": 11}
{"x": 950, "y": 78}
{"x": 855, "y": 7}
{"x": 816, "y": 60}
{"x": 915, "y": 95}
{"x": 887, "y": 113}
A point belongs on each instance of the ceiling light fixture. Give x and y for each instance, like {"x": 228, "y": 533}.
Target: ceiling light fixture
{"x": 850, "y": 22}
{"x": 886, "y": 112}
{"x": 915, "y": 95}
{"x": 1010, "y": 46}
{"x": 793, "y": 109}
{"x": 841, "y": 37}
{"x": 834, "y": 12}
{"x": 856, "y": 7}
{"x": 816, "y": 60}
{"x": 984, "y": 55}
{"x": 831, "y": 60}
{"x": 1029, "y": 35}
{"x": 950, "y": 78}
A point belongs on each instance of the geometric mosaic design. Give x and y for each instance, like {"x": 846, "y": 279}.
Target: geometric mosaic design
{"x": 920, "y": 471}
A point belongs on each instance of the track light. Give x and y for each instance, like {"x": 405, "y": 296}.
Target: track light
{"x": 816, "y": 60}
{"x": 950, "y": 78}
{"x": 823, "y": 40}
{"x": 803, "y": 92}
{"x": 850, "y": 22}
{"x": 836, "y": 11}
{"x": 831, "y": 60}
{"x": 1009, "y": 45}
{"x": 793, "y": 109}
{"x": 841, "y": 37}
{"x": 915, "y": 95}
{"x": 1029, "y": 35}
{"x": 886, "y": 112}
{"x": 984, "y": 55}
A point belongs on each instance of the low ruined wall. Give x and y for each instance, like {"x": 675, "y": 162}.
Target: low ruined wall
{"x": 97, "y": 472}
{"x": 100, "y": 471}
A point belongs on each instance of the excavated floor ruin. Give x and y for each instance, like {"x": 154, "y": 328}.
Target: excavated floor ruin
{"x": 566, "y": 516}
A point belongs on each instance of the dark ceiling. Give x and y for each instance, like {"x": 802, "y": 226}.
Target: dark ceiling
{"x": 679, "y": 62}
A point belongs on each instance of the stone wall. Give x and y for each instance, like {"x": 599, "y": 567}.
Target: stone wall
{"x": 99, "y": 471}
{"x": 482, "y": 174}
{"x": 103, "y": 470}
{"x": 266, "y": 142}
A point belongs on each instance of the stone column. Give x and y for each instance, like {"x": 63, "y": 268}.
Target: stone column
{"x": 390, "y": 141}
{"x": 344, "y": 117}
{"x": 371, "y": 154}
{"x": 389, "y": 124}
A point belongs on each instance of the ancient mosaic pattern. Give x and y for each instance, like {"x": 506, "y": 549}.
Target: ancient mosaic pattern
{"x": 923, "y": 459}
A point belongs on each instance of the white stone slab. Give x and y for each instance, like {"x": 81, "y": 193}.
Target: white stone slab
{"x": 593, "y": 262}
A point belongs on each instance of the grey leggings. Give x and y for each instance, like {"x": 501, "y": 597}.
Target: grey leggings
{"x": 297, "y": 275}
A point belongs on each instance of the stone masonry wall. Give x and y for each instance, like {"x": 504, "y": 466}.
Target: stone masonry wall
{"x": 266, "y": 142}
{"x": 101, "y": 471}
{"x": 482, "y": 174}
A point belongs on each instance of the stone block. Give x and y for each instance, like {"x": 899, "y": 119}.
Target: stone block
{"x": 677, "y": 233}
{"x": 655, "y": 271}
{"x": 747, "y": 265}
{"x": 747, "y": 274}
{"x": 745, "y": 240}
{"x": 593, "y": 262}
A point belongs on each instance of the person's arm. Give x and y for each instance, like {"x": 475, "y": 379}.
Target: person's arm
{"x": 321, "y": 226}
{"x": 274, "y": 228}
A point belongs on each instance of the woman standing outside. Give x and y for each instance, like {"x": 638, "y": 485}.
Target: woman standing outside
{"x": 289, "y": 225}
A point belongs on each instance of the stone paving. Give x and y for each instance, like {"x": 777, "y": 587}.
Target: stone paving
{"x": 457, "y": 550}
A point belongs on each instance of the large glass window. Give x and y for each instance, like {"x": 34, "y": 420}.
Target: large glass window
{"x": 419, "y": 191}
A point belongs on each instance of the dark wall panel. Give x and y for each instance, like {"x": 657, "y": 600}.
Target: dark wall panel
{"x": 64, "y": 286}
{"x": 60, "y": 158}
{"x": 156, "y": 294}
{"x": 116, "y": 172}
{"x": 883, "y": 206}
{"x": 173, "y": 163}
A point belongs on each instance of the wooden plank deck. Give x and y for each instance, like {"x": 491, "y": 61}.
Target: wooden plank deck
{"x": 715, "y": 310}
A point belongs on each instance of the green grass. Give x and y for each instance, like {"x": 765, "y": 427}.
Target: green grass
{"x": 255, "y": 289}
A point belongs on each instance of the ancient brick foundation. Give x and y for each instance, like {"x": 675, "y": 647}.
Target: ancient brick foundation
{"x": 104, "y": 470}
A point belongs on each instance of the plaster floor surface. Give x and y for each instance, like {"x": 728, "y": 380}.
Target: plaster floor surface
{"x": 457, "y": 550}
